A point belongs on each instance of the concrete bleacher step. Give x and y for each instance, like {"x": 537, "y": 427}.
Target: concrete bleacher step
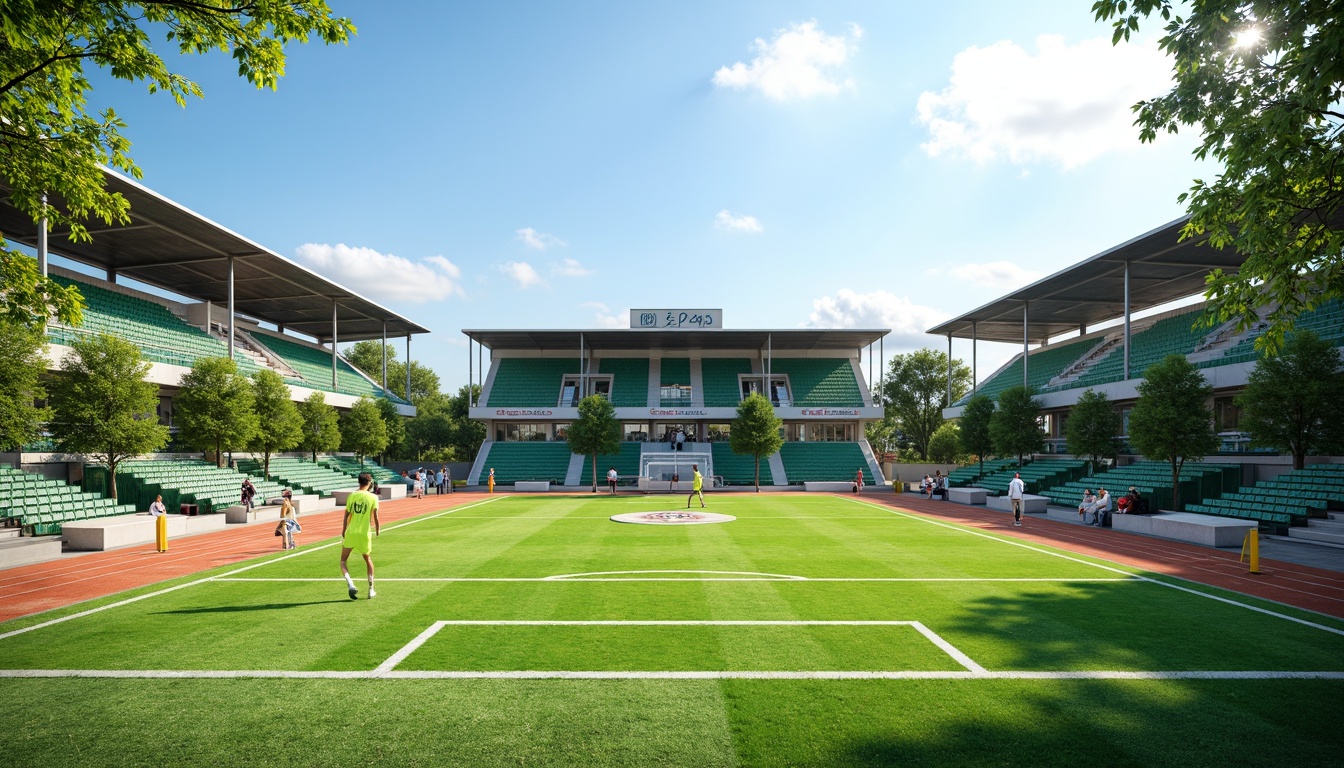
{"x": 1329, "y": 531}
{"x": 31, "y": 549}
{"x": 7, "y": 534}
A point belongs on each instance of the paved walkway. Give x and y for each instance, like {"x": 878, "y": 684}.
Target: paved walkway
{"x": 78, "y": 577}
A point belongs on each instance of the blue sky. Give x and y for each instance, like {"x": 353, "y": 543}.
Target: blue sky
{"x": 552, "y": 165}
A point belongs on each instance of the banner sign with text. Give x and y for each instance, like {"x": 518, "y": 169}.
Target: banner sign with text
{"x": 677, "y": 319}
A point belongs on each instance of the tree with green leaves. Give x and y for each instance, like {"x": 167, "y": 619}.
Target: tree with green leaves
{"x": 102, "y": 406}
{"x": 367, "y": 356}
{"x": 279, "y": 426}
{"x": 1093, "y": 428}
{"x": 1290, "y": 399}
{"x": 1261, "y": 80}
{"x": 321, "y": 428}
{"x": 915, "y": 393}
{"x": 1015, "y": 427}
{"x": 976, "y": 438}
{"x": 883, "y": 435}
{"x": 213, "y": 408}
{"x": 945, "y": 443}
{"x": 53, "y": 150}
{"x": 363, "y": 430}
{"x": 432, "y": 427}
{"x": 1171, "y": 420}
{"x": 756, "y": 431}
{"x": 596, "y": 431}
{"x": 395, "y": 423}
{"x": 23, "y": 360}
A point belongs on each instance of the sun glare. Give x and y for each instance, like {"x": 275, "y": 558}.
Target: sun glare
{"x": 1248, "y": 38}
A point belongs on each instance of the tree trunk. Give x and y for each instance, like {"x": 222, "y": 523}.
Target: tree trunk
{"x": 1299, "y": 458}
{"x": 266, "y": 464}
{"x": 1175, "y": 486}
{"x": 219, "y": 454}
{"x": 594, "y": 473}
{"x": 758, "y": 474}
{"x": 112, "y": 478}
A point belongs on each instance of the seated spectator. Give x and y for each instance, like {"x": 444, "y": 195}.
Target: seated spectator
{"x": 1102, "y": 510}
{"x": 1089, "y": 504}
{"x": 926, "y": 486}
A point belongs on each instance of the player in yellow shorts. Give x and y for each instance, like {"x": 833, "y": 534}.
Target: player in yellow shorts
{"x": 357, "y": 531}
{"x": 697, "y": 487}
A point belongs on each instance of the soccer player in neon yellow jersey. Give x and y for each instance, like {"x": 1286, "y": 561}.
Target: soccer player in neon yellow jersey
{"x": 697, "y": 487}
{"x": 357, "y": 531}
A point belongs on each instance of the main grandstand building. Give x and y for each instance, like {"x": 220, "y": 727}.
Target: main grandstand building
{"x": 674, "y": 371}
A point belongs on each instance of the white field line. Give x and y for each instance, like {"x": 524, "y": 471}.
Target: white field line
{"x": 1159, "y": 582}
{"x": 216, "y": 674}
{"x": 778, "y": 579}
{"x": 769, "y": 576}
{"x": 392, "y": 661}
{"x": 197, "y": 582}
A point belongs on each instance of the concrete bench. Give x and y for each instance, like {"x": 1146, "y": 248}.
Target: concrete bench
{"x": 308, "y": 503}
{"x": 532, "y": 486}
{"x": 1208, "y": 530}
{"x": 830, "y": 486}
{"x": 124, "y": 530}
{"x": 240, "y": 515}
{"x": 1030, "y": 503}
{"x": 967, "y": 495}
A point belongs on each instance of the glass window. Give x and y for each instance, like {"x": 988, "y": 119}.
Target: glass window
{"x": 674, "y": 395}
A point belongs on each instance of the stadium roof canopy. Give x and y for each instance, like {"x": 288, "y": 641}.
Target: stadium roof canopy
{"x": 790, "y": 340}
{"x": 171, "y": 247}
{"x": 1161, "y": 269}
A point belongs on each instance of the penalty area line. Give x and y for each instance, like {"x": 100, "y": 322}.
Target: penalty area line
{"x": 223, "y": 674}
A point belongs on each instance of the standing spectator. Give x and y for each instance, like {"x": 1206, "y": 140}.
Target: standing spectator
{"x": 611, "y": 480}
{"x": 249, "y": 491}
{"x": 939, "y": 487}
{"x": 289, "y": 524}
{"x": 419, "y": 484}
{"x": 1015, "y": 490}
{"x": 443, "y": 478}
{"x": 492, "y": 479}
{"x": 858, "y": 480}
{"x": 681, "y": 439}
{"x": 358, "y": 528}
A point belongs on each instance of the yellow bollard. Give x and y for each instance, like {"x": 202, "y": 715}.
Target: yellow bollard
{"x": 161, "y": 533}
{"x": 1250, "y": 550}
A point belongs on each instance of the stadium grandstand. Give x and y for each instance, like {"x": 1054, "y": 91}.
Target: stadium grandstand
{"x": 674, "y": 372}
{"x": 183, "y": 288}
{"x": 1078, "y": 331}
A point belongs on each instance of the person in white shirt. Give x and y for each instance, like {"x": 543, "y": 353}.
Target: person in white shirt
{"x": 1089, "y": 503}
{"x": 611, "y": 480}
{"x": 1015, "y": 490}
{"x": 1103, "y": 506}
{"x": 157, "y": 508}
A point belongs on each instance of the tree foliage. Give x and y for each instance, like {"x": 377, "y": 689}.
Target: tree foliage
{"x": 1093, "y": 428}
{"x": 102, "y": 405}
{"x": 432, "y": 427}
{"x": 279, "y": 426}
{"x": 1171, "y": 420}
{"x": 1015, "y": 427}
{"x": 466, "y": 434}
{"x": 1262, "y": 81}
{"x": 975, "y": 436}
{"x": 755, "y": 431}
{"x": 945, "y": 444}
{"x": 915, "y": 393}
{"x": 363, "y": 429}
{"x": 395, "y": 424}
{"x": 213, "y": 408}
{"x": 1290, "y": 400}
{"x": 321, "y": 428}
{"x": 23, "y": 360}
{"x": 367, "y": 356}
{"x": 53, "y": 149}
{"x": 596, "y": 431}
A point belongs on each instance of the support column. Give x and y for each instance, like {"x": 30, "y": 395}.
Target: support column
{"x": 583, "y": 368}
{"x": 480, "y": 368}
{"x": 385, "y": 355}
{"x": 42, "y": 239}
{"x": 209, "y": 306}
{"x": 949, "y": 370}
{"x": 471, "y": 376}
{"x": 1025, "y": 305}
{"x": 881, "y": 363}
{"x": 230, "y": 307}
{"x": 1126, "y": 321}
{"x": 769, "y": 365}
{"x": 408, "y": 366}
{"x": 975, "y": 373}
{"x": 333, "y": 346}
{"x": 1082, "y": 329}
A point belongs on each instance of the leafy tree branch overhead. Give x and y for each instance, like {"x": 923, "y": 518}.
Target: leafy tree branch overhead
{"x": 1262, "y": 82}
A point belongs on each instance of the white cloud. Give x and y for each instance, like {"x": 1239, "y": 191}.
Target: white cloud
{"x": 383, "y": 275}
{"x": 605, "y": 318}
{"x": 538, "y": 240}
{"x": 799, "y": 63}
{"x": 521, "y": 273}
{"x": 732, "y": 223}
{"x": 570, "y": 268}
{"x": 999, "y": 275}
{"x": 879, "y": 309}
{"x": 1063, "y": 104}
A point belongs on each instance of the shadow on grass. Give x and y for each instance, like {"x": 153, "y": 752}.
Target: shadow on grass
{"x": 243, "y": 608}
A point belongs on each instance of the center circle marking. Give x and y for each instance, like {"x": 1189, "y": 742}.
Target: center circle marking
{"x": 672, "y": 517}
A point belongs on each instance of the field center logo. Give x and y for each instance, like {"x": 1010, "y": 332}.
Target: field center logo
{"x": 672, "y": 517}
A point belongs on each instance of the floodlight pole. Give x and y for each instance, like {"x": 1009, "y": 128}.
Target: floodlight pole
{"x": 42, "y": 238}
{"x": 1025, "y": 305}
{"x": 231, "y": 309}
{"x": 333, "y": 345}
{"x": 1126, "y": 321}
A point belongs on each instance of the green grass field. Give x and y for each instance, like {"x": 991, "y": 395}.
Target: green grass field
{"x": 809, "y": 631}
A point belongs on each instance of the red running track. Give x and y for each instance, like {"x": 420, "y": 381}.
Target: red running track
{"x": 73, "y": 579}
